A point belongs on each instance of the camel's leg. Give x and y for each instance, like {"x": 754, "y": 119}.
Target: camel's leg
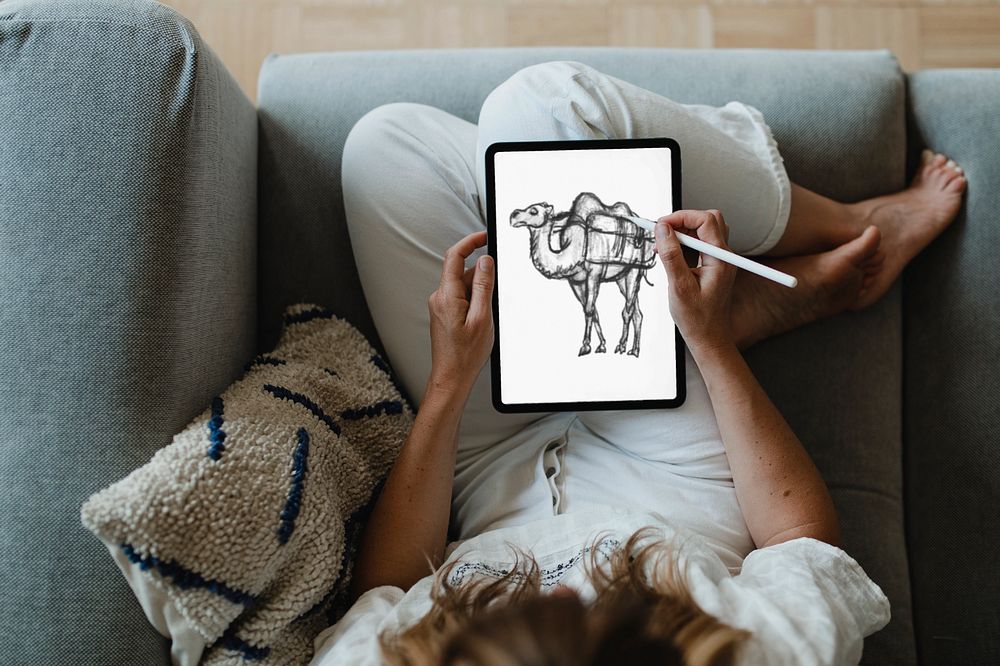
{"x": 580, "y": 291}
{"x": 591, "y": 290}
{"x": 623, "y": 286}
{"x": 601, "y": 275}
{"x": 633, "y": 304}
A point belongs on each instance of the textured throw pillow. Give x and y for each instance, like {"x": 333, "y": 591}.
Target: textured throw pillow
{"x": 237, "y": 537}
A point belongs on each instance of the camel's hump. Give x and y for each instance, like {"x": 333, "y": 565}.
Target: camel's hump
{"x": 587, "y": 203}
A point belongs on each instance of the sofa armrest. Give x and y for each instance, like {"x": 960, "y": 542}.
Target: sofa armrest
{"x": 952, "y": 353}
{"x": 127, "y": 292}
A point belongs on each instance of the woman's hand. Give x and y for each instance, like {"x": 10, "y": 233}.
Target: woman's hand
{"x": 699, "y": 297}
{"x": 461, "y": 317}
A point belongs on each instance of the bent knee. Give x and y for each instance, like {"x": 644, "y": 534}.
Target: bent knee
{"x": 544, "y": 78}
{"x": 378, "y": 142}
{"x": 522, "y": 107}
{"x": 382, "y": 123}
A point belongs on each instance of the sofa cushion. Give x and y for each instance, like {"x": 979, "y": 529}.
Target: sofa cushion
{"x": 952, "y": 353}
{"x": 838, "y": 118}
{"x": 238, "y": 537}
{"x": 127, "y": 292}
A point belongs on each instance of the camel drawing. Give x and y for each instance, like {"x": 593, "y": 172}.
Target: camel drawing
{"x": 588, "y": 245}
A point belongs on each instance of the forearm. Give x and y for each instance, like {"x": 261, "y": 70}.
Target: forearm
{"x": 780, "y": 491}
{"x": 409, "y": 524}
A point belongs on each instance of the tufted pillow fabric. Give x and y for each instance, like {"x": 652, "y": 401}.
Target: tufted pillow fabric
{"x": 237, "y": 537}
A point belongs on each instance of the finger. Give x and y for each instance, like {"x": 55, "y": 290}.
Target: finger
{"x": 671, "y": 255}
{"x": 481, "y": 301}
{"x": 694, "y": 221}
{"x": 467, "y": 278}
{"x": 707, "y": 225}
{"x": 713, "y": 231}
{"x": 454, "y": 263}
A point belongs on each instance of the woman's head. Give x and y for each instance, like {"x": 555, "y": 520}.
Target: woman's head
{"x": 641, "y": 613}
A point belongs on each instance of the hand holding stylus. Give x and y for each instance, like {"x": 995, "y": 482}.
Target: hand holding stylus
{"x": 699, "y": 297}
{"x": 726, "y": 255}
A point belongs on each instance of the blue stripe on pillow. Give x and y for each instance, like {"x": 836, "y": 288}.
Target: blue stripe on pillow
{"x": 185, "y": 578}
{"x": 216, "y": 435}
{"x": 263, "y": 359}
{"x": 282, "y": 392}
{"x": 383, "y": 407}
{"x": 300, "y": 465}
{"x": 307, "y": 315}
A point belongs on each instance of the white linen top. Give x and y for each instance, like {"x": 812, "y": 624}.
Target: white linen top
{"x": 805, "y": 601}
{"x": 671, "y": 461}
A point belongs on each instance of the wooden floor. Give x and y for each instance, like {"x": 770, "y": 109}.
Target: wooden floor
{"x": 922, "y": 33}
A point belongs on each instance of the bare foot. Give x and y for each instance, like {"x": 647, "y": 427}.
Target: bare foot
{"x": 911, "y": 219}
{"x": 829, "y": 282}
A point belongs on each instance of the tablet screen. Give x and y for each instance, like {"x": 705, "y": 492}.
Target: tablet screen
{"x": 581, "y": 308}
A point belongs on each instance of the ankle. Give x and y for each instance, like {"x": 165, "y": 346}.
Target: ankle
{"x": 858, "y": 216}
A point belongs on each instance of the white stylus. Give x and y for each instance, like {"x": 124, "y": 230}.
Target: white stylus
{"x": 724, "y": 255}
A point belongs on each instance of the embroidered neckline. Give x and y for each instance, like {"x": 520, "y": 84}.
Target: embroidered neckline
{"x": 550, "y": 576}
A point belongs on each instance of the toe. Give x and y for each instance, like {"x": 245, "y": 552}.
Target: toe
{"x": 862, "y": 248}
{"x": 939, "y": 160}
{"x": 942, "y": 176}
{"x": 948, "y": 175}
{"x": 871, "y": 239}
{"x": 956, "y": 185}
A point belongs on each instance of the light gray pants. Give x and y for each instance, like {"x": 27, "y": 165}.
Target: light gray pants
{"x": 414, "y": 184}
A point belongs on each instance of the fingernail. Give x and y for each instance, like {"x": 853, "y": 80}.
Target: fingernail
{"x": 484, "y": 262}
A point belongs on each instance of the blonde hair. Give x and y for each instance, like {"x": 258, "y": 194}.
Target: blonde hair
{"x": 634, "y": 618}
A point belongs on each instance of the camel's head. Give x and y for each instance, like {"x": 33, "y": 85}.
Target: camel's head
{"x": 533, "y": 216}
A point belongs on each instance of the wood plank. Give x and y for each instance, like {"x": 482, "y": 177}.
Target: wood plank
{"x": 896, "y": 29}
{"x": 661, "y": 25}
{"x": 557, "y": 25}
{"x": 960, "y": 37}
{"x": 764, "y": 27}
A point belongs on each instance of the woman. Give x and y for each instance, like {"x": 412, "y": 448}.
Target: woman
{"x": 740, "y": 558}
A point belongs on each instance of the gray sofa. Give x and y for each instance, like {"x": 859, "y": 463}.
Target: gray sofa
{"x": 154, "y": 223}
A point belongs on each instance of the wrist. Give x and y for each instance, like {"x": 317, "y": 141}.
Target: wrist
{"x": 446, "y": 392}
{"x": 713, "y": 350}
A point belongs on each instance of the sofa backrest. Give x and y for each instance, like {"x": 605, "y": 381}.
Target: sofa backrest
{"x": 839, "y": 121}
{"x": 951, "y": 425}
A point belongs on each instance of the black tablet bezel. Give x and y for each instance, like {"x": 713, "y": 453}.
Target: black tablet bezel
{"x": 582, "y": 144}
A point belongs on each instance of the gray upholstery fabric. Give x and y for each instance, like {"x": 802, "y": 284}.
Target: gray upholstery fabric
{"x": 952, "y": 397}
{"x": 127, "y": 293}
{"x": 839, "y": 121}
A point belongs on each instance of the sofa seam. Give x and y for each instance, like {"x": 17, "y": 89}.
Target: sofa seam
{"x": 163, "y": 36}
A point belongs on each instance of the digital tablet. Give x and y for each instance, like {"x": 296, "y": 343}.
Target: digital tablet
{"x": 580, "y": 308}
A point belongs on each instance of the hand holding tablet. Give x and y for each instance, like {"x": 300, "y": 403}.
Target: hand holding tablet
{"x": 461, "y": 325}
